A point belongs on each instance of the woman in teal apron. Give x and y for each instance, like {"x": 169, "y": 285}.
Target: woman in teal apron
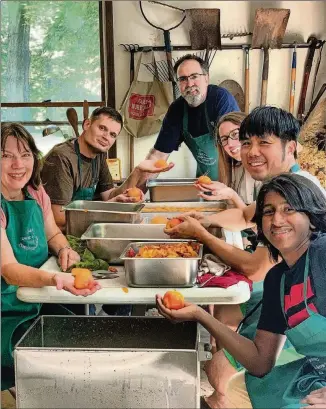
{"x": 26, "y": 237}
{"x": 291, "y": 221}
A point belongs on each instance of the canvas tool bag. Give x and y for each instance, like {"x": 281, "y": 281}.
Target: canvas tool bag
{"x": 146, "y": 104}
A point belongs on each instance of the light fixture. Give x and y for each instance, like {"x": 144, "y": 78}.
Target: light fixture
{"x": 51, "y": 128}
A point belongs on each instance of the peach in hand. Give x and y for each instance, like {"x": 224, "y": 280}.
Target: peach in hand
{"x": 161, "y": 163}
{"x": 173, "y": 300}
{"x": 135, "y": 192}
{"x": 204, "y": 180}
{"x": 173, "y": 223}
{"x": 83, "y": 278}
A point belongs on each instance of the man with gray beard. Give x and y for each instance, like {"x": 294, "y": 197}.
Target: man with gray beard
{"x": 193, "y": 116}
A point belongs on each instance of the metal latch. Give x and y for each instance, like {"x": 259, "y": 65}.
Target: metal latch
{"x": 204, "y": 351}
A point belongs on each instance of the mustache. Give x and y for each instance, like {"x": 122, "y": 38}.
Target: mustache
{"x": 190, "y": 89}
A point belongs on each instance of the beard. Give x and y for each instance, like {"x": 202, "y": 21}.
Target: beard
{"x": 193, "y": 100}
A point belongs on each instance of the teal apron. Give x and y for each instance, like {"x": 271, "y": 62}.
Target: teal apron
{"x": 85, "y": 193}
{"x": 202, "y": 147}
{"x": 26, "y": 234}
{"x": 286, "y": 385}
{"x": 248, "y": 329}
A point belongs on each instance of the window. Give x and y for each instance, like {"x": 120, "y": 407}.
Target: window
{"x": 50, "y": 51}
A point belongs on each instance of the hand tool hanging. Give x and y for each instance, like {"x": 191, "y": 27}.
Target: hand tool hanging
{"x": 246, "y": 92}
{"x": 293, "y": 77}
{"x": 73, "y": 120}
{"x": 167, "y": 40}
{"x": 269, "y": 30}
{"x": 307, "y": 69}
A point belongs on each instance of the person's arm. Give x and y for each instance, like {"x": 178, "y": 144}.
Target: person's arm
{"x": 257, "y": 356}
{"x": 15, "y": 273}
{"x": 234, "y": 219}
{"x": 59, "y": 216}
{"x": 58, "y": 244}
{"x": 219, "y": 191}
{"x": 253, "y": 265}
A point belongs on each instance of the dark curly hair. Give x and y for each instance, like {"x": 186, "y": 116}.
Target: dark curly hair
{"x": 22, "y": 135}
{"x": 301, "y": 194}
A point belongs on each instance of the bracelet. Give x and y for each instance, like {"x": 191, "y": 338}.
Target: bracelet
{"x": 62, "y": 248}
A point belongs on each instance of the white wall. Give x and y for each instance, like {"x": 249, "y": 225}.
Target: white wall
{"x": 307, "y": 18}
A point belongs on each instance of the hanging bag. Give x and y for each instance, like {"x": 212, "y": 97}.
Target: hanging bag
{"x": 145, "y": 104}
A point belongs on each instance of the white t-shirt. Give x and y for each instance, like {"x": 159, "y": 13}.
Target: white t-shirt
{"x": 312, "y": 178}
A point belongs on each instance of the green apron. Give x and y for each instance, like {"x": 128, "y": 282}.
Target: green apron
{"x": 26, "y": 234}
{"x": 286, "y": 385}
{"x": 202, "y": 147}
{"x": 85, "y": 193}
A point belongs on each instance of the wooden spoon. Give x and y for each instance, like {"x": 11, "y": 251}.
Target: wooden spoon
{"x": 85, "y": 109}
{"x": 73, "y": 120}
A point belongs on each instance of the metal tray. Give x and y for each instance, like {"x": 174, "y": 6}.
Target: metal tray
{"x": 80, "y": 214}
{"x": 172, "y": 190}
{"x": 160, "y": 272}
{"x": 108, "y": 240}
{"x": 199, "y": 206}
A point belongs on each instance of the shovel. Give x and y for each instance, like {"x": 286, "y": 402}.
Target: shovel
{"x": 269, "y": 30}
{"x": 205, "y": 29}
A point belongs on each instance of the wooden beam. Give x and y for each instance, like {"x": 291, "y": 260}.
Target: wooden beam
{"x": 49, "y": 104}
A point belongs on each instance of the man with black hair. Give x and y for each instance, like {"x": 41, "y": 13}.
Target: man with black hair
{"x": 193, "y": 116}
{"x": 77, "y": 169}
{"x": 268, "y": 138}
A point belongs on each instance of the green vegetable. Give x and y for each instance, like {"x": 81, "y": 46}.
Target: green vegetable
{"x": 87, "y": 258}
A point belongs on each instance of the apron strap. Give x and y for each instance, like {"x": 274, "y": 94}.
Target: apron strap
{"x": 295, "y": 168}
{"x": 185, "y": 120}
{"x": 305, "y": 286}
{"x": 94, "y": 164}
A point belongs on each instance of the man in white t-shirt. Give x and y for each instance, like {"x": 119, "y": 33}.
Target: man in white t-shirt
{"x": 268, "y": 138}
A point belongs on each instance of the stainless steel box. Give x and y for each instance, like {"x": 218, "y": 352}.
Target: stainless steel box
{"x": 108, "y": 240}
{"x": 172, "y": 190}
{"x": 108, "y": 362}
{"x": 80, "y": 214}
{"x": 160, "y": 272}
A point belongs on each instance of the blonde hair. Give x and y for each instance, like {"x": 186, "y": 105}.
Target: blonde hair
{"x": 226, "y": 163}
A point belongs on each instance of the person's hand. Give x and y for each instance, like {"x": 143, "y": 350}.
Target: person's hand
{"x": 219, "y": 191}
{"x": 188, "y": 313}
{"x": 124, "y": 198}
{"x": 65, "y": 281}
{"x": 67, "y": 257}
{"x": 201, "y": 217}
{"x": 189, "y": 228}
{"x": 149, "y": 167}
{"x": 315, "y": 399}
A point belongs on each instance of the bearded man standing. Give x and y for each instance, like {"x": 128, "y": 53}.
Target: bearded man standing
{"x": 193, "y": 116}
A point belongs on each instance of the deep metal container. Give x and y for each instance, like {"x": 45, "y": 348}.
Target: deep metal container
{"x": 172, "y": 190}
{"x": 160, "y": 272}
{"x": 108, "y": 240}
{"x": 108, "y": 362}
{"x": 80, "y": 214}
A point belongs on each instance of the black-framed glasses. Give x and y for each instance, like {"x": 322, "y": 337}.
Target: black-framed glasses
{"x": 234, "y": 135}
{"x": 186, "y": 78}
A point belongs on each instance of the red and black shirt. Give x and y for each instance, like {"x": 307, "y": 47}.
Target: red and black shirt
{"x": 272, "y": 318}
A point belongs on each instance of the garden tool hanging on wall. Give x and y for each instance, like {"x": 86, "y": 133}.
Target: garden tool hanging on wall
{"x": 167, "y": 40}
{"x": 269, "y": 30}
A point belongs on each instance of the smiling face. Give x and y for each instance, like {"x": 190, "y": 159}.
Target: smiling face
{"x": 100, "y": 134}
{"x": 231, "y": 146}
{"x": 285, "y": 228}
{"x": 194, "y": 91}
{"x": 267, "y": 156}
{"x": 17, "y": 164}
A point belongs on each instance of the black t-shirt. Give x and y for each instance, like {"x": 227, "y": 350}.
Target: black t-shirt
{"x": 272, "y": 318}
{"x": 218, "y": 101}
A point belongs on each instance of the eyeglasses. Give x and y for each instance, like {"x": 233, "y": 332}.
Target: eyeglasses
{"x": 186, "y": 78}
{"x": 234, "y": 135}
